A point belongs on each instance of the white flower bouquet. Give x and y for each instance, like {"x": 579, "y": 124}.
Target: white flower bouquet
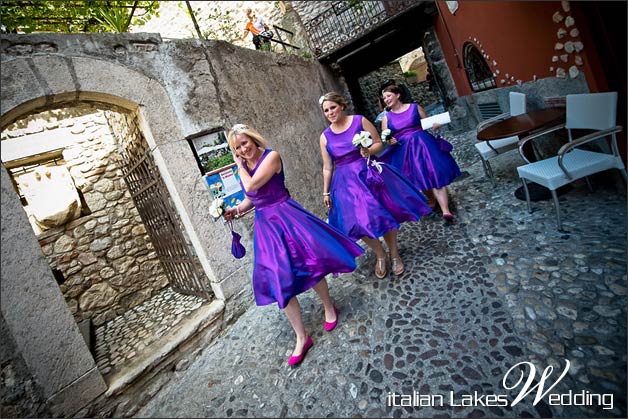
{"x": 362, "y": 139}
{"x": 386, "y": 135}
{"x": 217, "y": 208}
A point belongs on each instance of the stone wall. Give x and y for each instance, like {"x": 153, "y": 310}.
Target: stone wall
{"x": 19, "y": 391}
{"x": 106, "y": 258}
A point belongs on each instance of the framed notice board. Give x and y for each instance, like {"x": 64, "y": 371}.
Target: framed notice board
{"x": 225, "y": 183}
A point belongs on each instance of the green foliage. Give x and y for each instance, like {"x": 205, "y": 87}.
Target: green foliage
{"x": 217, "y": 162}
{"x": 215, "y": 21}
{"x": 75, "y": 16}
{"x": 410, "y": 73}
{"x": 356, "y": 4}
{"x": 306, "y": 54}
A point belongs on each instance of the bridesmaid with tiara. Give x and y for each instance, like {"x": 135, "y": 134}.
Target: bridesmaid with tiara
{"x": 416, "y": 153}
{"x": 361, "y": 208}
{"x": 293, "y": 249}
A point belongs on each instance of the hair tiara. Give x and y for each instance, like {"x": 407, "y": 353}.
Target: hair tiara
{"x": 239, "y": 128}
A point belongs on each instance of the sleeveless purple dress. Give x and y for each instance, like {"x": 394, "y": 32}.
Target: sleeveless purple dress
{"x": 417, "y": 154}
{"x": 358, "y": 208}
{"x": 293, "y": 249}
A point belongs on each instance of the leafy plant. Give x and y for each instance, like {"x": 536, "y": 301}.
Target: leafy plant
{"x": 218, "y": 162}
{"x": 215, "y": 21}
{"x": 75, "y": 16}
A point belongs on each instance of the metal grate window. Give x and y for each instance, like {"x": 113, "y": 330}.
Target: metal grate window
{"x": 478, "y": 72}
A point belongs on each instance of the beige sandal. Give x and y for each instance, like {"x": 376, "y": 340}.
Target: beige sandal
{"x": 397, "y": 266}
{"x": 380, "y": 268}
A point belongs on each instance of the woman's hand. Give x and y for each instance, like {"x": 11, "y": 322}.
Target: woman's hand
{"x": 230, "y": 214}
{"x": 436, "y": 126}
{"x": 365, "y": 152}
{"x": 327, "y": 200}
{"x": 393, "y": 141}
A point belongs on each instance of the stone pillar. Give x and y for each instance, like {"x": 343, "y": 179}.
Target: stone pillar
{"x": 37, "y": 317}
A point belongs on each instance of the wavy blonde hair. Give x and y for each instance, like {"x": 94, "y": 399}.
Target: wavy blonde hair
{"x": 241, "y": 129}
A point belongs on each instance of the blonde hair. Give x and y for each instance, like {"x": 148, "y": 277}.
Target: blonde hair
{"x": 241, "y": 129}
{"x": 333, "y": 97}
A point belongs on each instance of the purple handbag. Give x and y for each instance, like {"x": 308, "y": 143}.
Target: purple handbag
{"x": 237, "y": 249}
{"x": 443, "y": 145}
{"x": 373, "y": 173}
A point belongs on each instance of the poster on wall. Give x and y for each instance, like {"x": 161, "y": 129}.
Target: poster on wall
{"x": 225, "y": 183}
{"x": 211, "y": 150}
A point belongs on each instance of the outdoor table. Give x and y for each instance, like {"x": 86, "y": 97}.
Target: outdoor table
{"x": 523, "y": 126}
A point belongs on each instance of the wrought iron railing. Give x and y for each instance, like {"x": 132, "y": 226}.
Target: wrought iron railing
{"x": 345, "y": 21}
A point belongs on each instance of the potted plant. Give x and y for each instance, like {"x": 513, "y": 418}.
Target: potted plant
{"x": 411, "y": 76}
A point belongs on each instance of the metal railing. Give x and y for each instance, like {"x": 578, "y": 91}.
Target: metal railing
{"x": 281, "y": 41}
{"x": 346, "y": 21}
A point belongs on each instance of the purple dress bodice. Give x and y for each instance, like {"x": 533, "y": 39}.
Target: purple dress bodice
{"x": 272, "y": 192}
{"x": 404, "y": 122}
{"x": 340, "y": 147}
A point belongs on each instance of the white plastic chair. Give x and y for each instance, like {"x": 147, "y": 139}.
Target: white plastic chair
{"x": 490, "y": 149}
{"x": 592, "y": 111}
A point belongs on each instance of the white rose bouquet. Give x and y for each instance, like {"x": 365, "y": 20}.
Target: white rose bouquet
{"x": 363, "y": 139}
{"x": 217, "y": 208}
{"x": 386, "y": 135}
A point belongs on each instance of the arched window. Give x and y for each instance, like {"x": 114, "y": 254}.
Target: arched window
{"x": 478, "y": 72}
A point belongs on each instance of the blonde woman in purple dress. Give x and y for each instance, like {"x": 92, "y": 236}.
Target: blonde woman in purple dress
{"x": 293, "y": 249}
{"x": 359, "y": 208}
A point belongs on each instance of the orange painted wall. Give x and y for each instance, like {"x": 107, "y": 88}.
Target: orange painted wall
{"x": 518, "y": 35}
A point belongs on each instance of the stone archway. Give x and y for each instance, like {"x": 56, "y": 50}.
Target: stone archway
{"x": 66, "y": 370}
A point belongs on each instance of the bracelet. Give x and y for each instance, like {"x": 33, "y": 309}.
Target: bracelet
{"x": 326, "y": 194}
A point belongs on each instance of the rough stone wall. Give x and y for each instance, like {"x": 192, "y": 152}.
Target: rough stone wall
{"x": 20, "y": 394}
{"x": 181, "y": 88}
{"x": 106, "y": 257}
{"x": 308, "y": 10}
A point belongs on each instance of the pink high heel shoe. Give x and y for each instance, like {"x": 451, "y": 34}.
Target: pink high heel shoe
{"x": 329, "y": 326}
{"x": 296, "y": 359}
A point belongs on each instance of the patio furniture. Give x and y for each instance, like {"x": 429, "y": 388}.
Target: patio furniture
{"x": 591, "y": 111}
{"x": 489, "y": 149}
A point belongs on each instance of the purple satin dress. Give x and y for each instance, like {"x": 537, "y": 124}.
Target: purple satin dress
{"x": 417, "y": 154}
{"x": 293, "y": 249}
{"x": 358, "y": 208}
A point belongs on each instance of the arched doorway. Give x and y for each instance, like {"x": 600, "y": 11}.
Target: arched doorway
{"x": 120, "y": 257}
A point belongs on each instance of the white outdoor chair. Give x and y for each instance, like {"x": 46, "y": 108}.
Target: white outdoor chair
{"x": 591, "y": 111}
{"x": 490, "y": 149}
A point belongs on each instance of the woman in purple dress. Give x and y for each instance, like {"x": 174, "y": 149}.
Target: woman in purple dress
{"x": 293, "y": 249}
{"x": 415, "y": 152}
{"x": 359, "y": 206}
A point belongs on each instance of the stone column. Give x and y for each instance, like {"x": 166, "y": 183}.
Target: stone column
{"x": 37, "y": 317}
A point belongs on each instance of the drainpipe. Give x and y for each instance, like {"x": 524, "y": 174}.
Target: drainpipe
{"x": 451, "y": 41}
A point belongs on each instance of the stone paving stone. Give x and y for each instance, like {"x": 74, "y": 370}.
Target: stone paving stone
{"x": 496, "y": 287}
{"x": 121, "y": 339}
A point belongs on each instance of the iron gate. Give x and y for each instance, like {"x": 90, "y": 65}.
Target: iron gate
{"x": 158, "y": 213}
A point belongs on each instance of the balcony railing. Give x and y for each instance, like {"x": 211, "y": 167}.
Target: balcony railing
{"x": 346, "y": 21}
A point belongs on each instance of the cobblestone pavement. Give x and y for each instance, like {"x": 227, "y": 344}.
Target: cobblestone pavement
{"x": 123, "y": 338}
{"x": 497, "y": 287}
